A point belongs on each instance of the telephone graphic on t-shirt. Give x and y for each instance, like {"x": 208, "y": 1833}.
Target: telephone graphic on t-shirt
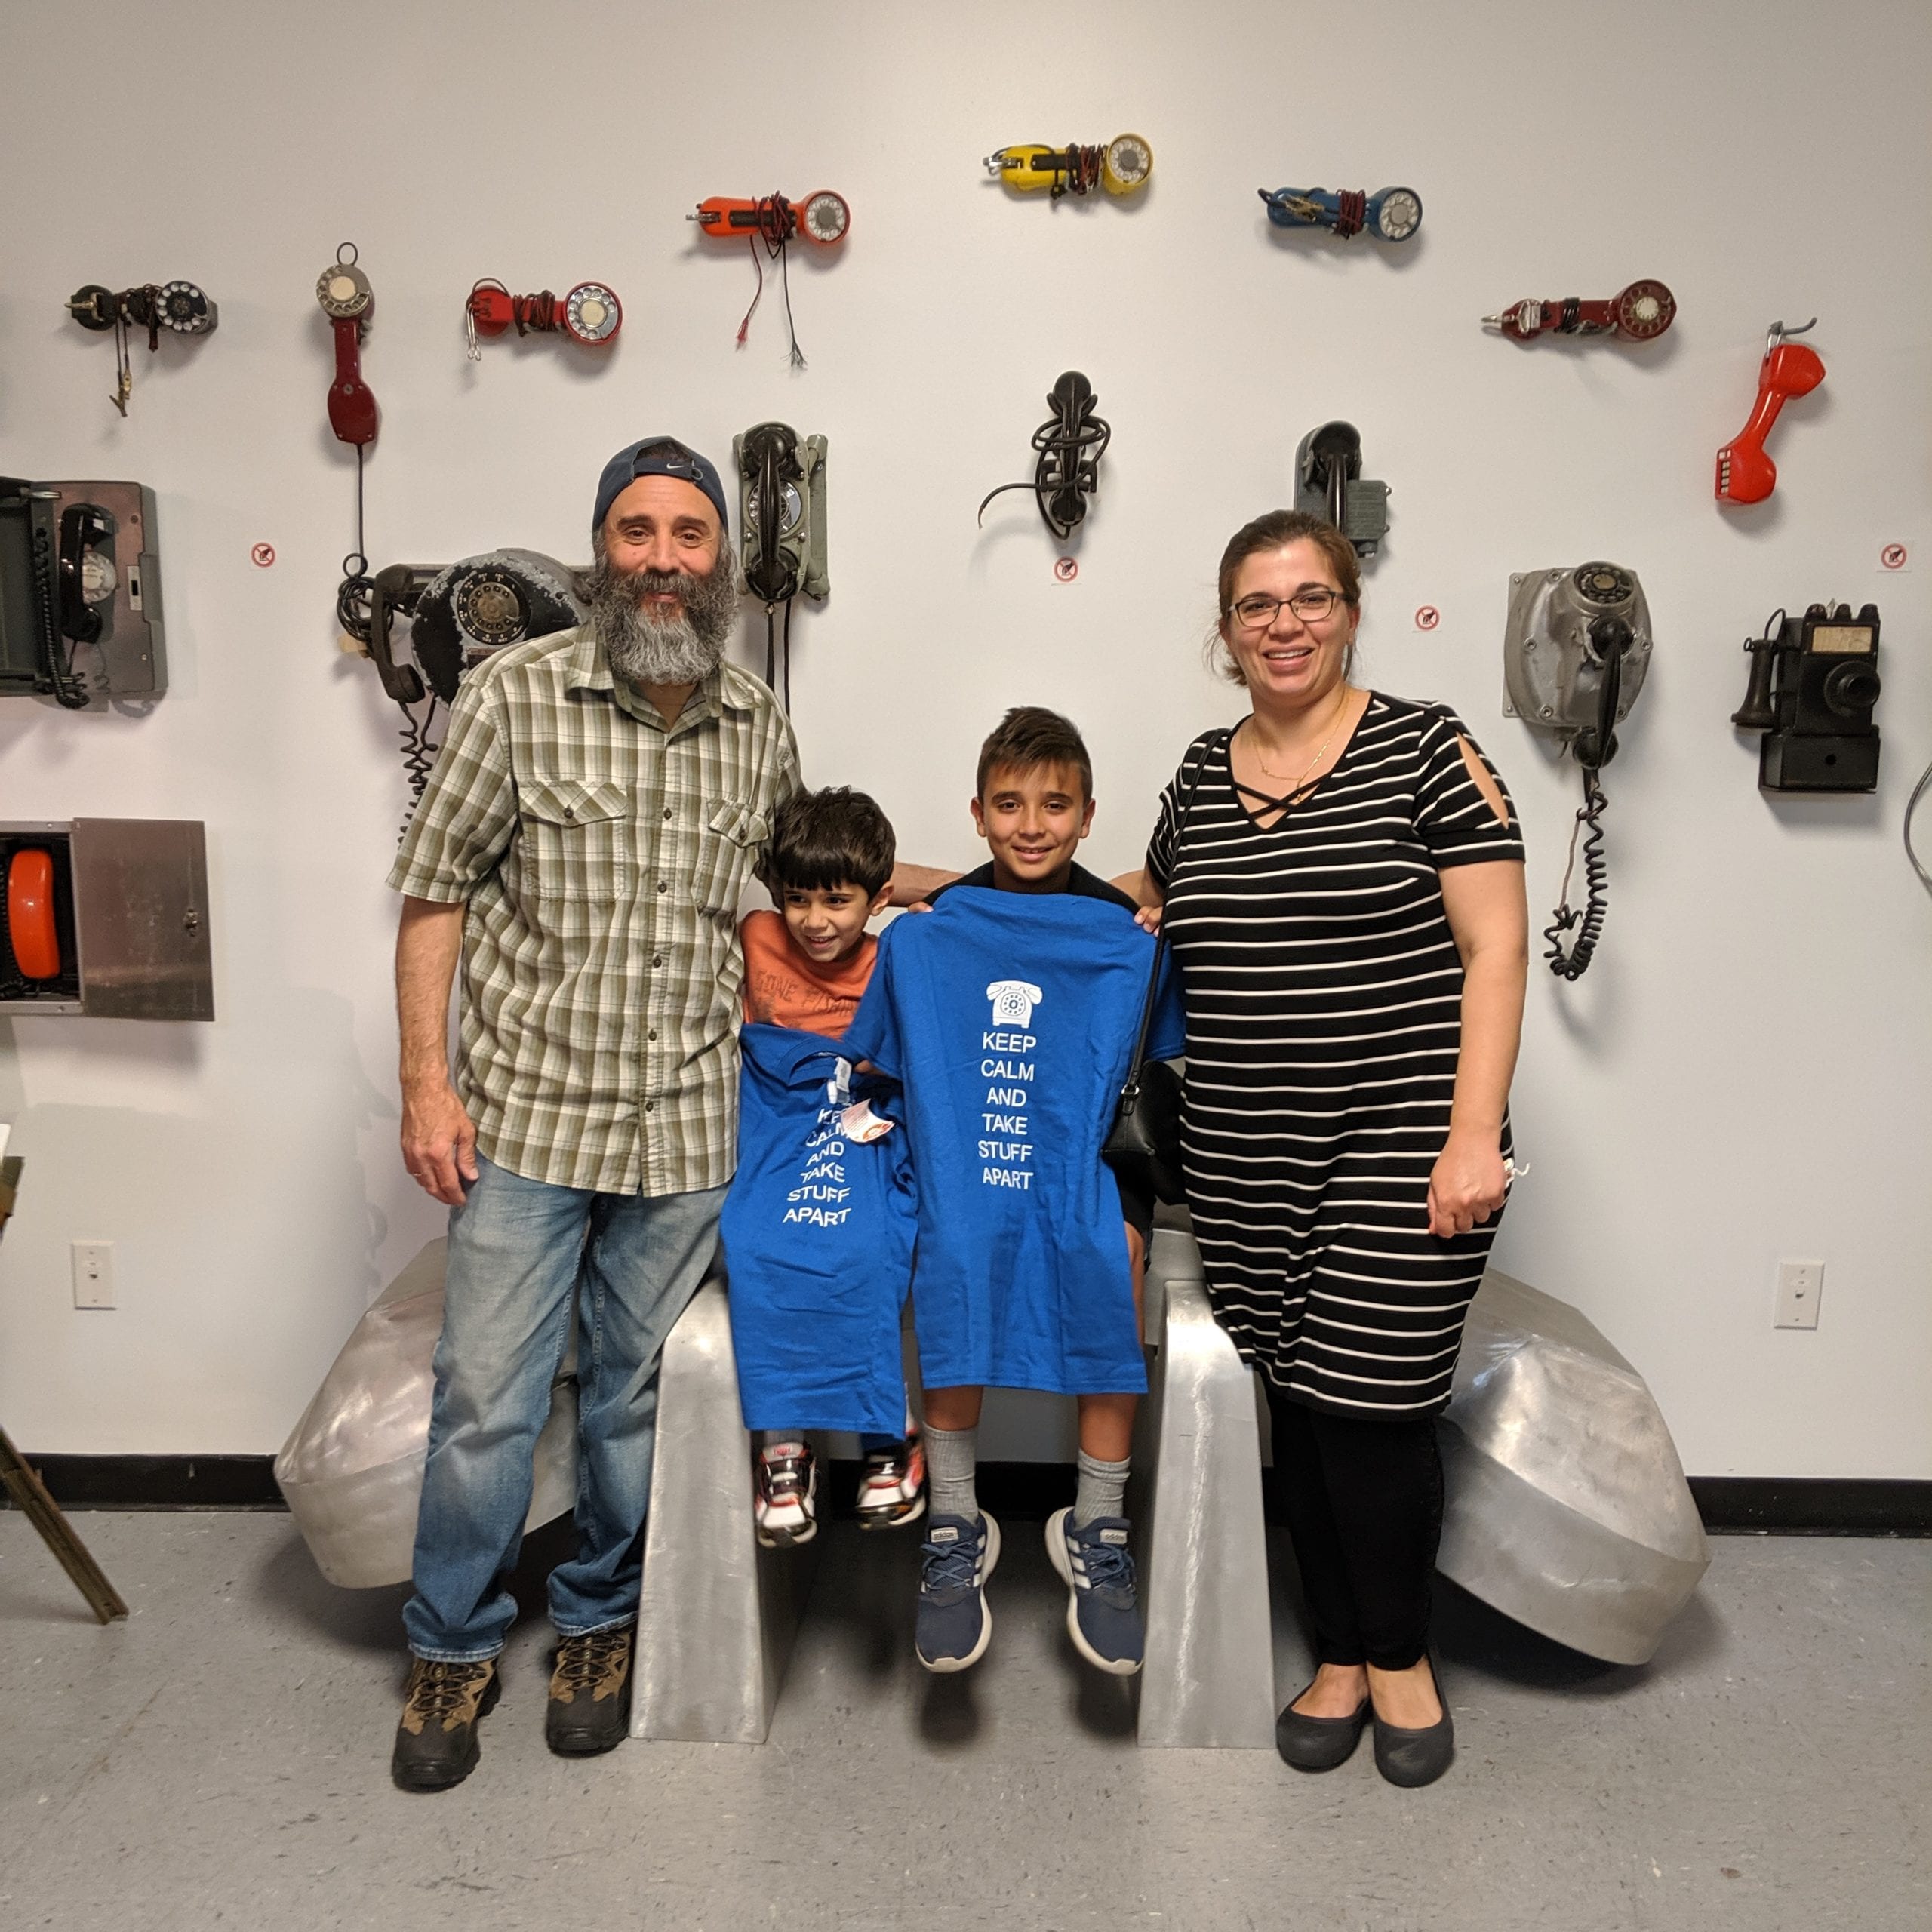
{"x": 1013, "y": 1001}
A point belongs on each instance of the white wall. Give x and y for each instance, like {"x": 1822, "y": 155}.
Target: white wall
{"x": 1744, "y": 1073}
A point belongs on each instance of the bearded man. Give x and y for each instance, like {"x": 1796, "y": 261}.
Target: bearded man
{"x": 601, "y": 798}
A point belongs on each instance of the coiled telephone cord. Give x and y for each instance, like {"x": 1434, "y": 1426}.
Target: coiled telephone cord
{"x": 419, "y": 756}
{"x": 1082, "y": 173}
{"x": 1586, "y": 922}
{"x": 70, "y": 690}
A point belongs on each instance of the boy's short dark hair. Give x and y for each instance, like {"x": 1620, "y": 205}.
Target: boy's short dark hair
{"x": 1028, "y": 736}
{"x": 822, "y": 839}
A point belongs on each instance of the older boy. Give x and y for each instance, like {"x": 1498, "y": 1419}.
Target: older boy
{"x": 1024, "y": 1277}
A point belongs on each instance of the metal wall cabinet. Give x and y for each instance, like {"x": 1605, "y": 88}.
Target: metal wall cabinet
{"x": 130, "y": 911}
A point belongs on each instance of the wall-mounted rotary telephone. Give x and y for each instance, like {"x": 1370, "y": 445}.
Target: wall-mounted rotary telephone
{"x": 1575, "y": 650}
{"x": 781, "y": 522}
{"x": 457, "y": 615}
{"x": 80, "y": 593}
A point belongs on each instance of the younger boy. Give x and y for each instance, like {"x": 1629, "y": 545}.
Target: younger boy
{"x": 1017, "y": 1272}
{"x": 829, "y": 868}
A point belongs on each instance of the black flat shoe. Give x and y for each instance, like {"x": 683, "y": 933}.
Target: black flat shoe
{"x": 1412, "y": 1758}
{"x": 1318, "y": 1744}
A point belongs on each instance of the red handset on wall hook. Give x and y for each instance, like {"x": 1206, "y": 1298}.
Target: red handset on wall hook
{"x": 1745, "y": 475}
{"x": 347, "y": 300}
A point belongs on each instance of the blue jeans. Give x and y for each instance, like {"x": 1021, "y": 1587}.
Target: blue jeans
{"x": 526, "y": 1260}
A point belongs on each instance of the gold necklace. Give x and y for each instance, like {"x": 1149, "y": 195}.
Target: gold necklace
{"x": 1254, "y": 737}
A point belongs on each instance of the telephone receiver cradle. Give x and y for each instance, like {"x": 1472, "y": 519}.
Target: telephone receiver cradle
{"x": 80, "y": 593}
{"x": 1329, "y": 484}
{"x": 459, "y": 614}
{"x": 782, "y": 512}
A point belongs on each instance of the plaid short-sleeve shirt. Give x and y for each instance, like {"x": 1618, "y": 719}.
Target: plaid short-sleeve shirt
{"x": 601, "y": 856}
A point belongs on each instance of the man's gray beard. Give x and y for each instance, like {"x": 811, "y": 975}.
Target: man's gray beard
{"x": 645, "y": 650}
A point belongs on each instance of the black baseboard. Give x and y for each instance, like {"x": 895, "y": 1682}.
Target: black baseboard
{"x": 158, "y": 1482}
{"x": 1028, "y": 1492}
{"x": 1813, "y": 1505}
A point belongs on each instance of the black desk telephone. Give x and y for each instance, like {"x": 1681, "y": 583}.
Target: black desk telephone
{"x": 80, "y": 592}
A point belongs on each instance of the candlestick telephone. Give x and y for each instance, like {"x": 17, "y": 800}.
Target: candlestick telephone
{"x": 80, "y": 593}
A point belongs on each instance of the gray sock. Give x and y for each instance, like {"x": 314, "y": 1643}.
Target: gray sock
{"x": 1102, "y": 1490}
{"x": 952, "y": 1461}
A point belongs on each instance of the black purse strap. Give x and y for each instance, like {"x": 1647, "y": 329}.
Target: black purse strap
{"x": 1131, "y": 1090}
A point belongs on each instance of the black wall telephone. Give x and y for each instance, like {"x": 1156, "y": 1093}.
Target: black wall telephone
{"x": 79, "y": 582}
{"x": 782, "y": 520}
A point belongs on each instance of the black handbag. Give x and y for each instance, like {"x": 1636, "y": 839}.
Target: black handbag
{"x": 1143, "y": 1145}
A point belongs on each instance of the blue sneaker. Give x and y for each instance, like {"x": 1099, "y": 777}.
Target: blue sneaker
{"x": 1102, "y": 1610}
{"x": 955, "y": 1621}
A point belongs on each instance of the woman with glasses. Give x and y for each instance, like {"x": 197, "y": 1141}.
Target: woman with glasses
{"x": 1345, "y": 900}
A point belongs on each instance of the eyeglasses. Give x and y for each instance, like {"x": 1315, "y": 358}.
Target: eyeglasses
{"x": 1256, "y": 613}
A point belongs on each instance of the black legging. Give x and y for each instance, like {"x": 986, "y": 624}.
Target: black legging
{"x": 1364, "y": 1501}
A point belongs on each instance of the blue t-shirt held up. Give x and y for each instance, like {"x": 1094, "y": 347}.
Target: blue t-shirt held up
{"x": 1009, "y": 1019}
{"x": 817, "y": 1232}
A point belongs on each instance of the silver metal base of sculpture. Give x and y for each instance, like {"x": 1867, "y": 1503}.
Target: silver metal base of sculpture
{"x": 718, "y": 1615}
{"x": 1209, "y": 1677}
{"x": 351, "y": 1470}
{"x": 1568, "y": 1507}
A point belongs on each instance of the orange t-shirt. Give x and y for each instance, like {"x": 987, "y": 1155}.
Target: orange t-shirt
{"x": 783, "y": 988}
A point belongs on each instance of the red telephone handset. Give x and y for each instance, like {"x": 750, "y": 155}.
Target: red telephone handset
{"x": 1745, "y": 475}
{"x": 590, "y": 314}
{"x": 31, "y": 930}
{"x": 1639, "y": 313}
{"x": 822, "y": 218}
{"x": 348, "y": 301}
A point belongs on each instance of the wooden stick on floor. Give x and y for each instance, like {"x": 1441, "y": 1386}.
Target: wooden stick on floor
{"x": 29, "y": 1493}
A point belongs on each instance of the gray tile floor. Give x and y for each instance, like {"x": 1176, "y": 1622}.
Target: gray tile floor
{"x": 220, "y": 1761}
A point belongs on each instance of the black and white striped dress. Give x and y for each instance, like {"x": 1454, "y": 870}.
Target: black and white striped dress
{"x": 1323, "y": 1020}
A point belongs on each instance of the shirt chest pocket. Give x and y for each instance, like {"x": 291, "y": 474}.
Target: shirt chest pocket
{"x": 576, "y": 839}
{"x": 728, "y": 848}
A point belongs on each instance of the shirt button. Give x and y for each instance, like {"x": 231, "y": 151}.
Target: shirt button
{"x": 664, "y": 885}
{"x": 652, "y": 1035}
{"x": 657, "y": 959}
{"x": 650, "y": 1106}
{"x": 667, "y": 811}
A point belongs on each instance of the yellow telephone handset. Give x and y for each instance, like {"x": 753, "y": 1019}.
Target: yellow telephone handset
{"x": 1123, "y": 166}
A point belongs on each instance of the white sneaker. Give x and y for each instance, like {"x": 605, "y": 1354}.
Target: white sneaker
{"x": 892, "y": 1489}
{"x": 784, "y": 1493}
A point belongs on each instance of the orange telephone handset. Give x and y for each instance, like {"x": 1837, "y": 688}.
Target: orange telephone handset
{"x": 30, "y": 927}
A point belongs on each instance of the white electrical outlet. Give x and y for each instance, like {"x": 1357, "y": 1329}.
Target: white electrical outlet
{"x": 1800, "y": 1287}
{"x": 93, "y": 1274}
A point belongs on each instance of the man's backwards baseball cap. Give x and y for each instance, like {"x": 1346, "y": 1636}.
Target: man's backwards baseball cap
{"x": 657, "y": 455}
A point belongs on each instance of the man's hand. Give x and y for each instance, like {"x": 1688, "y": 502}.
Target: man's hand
{"x": 438, "y": 1142}
{"x": 439, "y": 1138}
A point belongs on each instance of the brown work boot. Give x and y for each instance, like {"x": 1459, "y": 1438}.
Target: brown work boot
{"x": 436, "y": 1742}
{"x": 590, "y": 1692}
